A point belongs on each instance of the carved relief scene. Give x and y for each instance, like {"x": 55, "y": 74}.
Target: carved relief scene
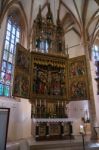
{"x": 48, "y": 80}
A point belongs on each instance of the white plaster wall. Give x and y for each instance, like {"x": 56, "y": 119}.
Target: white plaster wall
{"x": 77, "y": 110}
{"x": 20, "y": 118}
{"x": 24, "y": 120}
{"x": 27, "y": 8}
{"x": 72, "y": 39}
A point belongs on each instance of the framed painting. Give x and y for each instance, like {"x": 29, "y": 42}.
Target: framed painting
{"x": 77, "y": 67}
{"x": 21, "y": 82}
{"x": 21, "y": 86}
{"x": 78, "y": 79}
{"x": 22, "y": 59}
{"x": 78, "y": 89}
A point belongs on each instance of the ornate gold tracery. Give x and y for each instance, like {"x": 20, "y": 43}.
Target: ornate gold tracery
{"x": 47, "y": 37}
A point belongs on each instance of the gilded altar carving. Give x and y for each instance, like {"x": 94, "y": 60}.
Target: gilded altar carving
{"x": 44, "y": 76}
{"x": 47, "y": 36}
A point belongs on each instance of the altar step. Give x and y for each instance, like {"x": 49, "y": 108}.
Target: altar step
{"x": 62, "y": 145}
{"x": 30, "y": 144}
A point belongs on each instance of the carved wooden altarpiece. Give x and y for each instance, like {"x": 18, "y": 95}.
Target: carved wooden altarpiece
{"x": 45, "y": 76}
{"x": 40, "y": 76}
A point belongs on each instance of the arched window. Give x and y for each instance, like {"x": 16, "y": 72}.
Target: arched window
{"x": 12, "y": 36}
{"x": 95, "y": 53}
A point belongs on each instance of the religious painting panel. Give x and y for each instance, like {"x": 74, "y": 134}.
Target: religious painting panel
{"x": 23, "y": 59}
{"x": 78, "y": 89}
{"x": 21, "y": 82}
{"x": 21, "y": 85}
{"x": 78, "y": 78}
{"x": 77, "y": 67}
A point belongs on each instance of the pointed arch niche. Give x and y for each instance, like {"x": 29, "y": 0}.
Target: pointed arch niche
{"x": 15, "y": 32}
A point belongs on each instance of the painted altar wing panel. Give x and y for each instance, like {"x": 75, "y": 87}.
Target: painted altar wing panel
{"x": 78, "y": 78}
{"x": 21, "y": 84}
{"x": 23, "y": 59}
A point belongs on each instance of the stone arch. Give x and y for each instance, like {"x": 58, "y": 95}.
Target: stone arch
{"x": 16, "y": 7}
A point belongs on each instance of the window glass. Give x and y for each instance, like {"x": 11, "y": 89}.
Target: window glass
{"x": 5, "y": 55}
{"x": 95, "y": 53}
{"x": 1, "y": 89}
{"x": 6, "y": 90}
{"x": 12, "y": 36}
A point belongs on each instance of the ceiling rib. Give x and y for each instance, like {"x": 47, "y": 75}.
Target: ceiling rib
{"x": 76, "y": 31}
{"x": 94, "y": 31}
{"x": 74, "y": 18}
{"x": 66, "y": 16}
{"x": 91, "y": 19}
{"x": 59, "y": 6}
{"x": 84, "y": 11}
{"x": 77, "y": 11}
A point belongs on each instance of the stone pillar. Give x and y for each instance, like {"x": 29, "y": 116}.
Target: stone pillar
{"x": 92, "y": 109}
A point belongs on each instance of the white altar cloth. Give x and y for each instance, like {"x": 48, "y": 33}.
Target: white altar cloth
{"x": 52, "y": 120}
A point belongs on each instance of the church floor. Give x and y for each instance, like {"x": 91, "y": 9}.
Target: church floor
{"x": 76, "y": 144}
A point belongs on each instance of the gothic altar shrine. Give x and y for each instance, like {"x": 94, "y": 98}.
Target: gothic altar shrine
{"x": 49, "y": 78}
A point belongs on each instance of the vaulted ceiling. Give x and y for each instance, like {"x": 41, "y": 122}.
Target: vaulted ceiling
{"x": 81, "y": 16}
{"x": 78, "y": 15}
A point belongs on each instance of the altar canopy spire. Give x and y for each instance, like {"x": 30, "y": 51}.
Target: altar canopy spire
{"x": 49, "y": 15}
{"x": 48, "y": 37}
